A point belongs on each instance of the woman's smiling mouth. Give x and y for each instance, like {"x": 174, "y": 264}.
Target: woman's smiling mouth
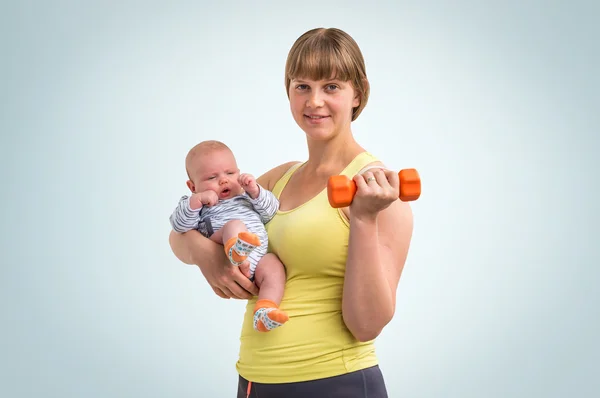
{"x": 316, "y": 119}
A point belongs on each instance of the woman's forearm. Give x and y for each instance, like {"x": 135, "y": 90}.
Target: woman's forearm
{"x": 190, "y": 247}
{"x": 226, "y": 280}
{"x": 367, "y": 304}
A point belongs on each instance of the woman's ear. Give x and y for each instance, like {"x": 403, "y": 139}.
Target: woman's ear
{"x": 361, "y": 94}
{"x": 357, "y": 99}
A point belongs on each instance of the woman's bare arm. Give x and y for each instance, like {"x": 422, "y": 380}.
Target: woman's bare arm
{"x": 226, "y": 280}
{"x": 377, "y": 250}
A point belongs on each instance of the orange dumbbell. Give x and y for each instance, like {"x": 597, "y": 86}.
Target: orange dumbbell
{"x": 341, "y": 189}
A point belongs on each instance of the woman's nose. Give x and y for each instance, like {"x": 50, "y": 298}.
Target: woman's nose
{"x": 314, "y": 100}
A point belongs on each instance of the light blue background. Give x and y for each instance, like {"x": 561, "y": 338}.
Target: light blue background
{"x": 496, "y": 104}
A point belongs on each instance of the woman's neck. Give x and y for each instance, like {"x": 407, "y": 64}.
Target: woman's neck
{"x": 326, "y": 158}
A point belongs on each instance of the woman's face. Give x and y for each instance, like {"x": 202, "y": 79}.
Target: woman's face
{"x": 322, "y": 108}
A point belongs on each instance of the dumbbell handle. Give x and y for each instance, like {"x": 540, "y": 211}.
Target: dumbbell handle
{"x": 341, "y": 189}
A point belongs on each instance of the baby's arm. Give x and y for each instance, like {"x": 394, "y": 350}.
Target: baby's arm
{"x": 263, "y": 200}
{"x": 184, "y": 218}
{"x": 186, "y": 215}
{"x": 266, "y": 204}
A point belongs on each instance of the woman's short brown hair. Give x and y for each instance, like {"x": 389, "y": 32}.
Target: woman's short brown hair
{"x": 325, "y": 53}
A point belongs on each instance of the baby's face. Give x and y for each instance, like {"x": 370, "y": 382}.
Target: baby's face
{"x": 217, "y": 171}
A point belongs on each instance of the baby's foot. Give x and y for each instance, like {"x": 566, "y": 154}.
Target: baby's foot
{"x": 238, "y": 248}
{"x": 267, "y": 316}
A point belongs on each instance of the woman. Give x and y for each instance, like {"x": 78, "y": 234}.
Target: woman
{"x": 343, "y": 265}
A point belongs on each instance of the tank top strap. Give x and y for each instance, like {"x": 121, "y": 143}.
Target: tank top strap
{"x": 361, "y": 161}
{"x": 282, "y": 182}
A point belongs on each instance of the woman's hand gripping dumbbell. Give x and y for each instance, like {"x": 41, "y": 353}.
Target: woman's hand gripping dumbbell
{"x": 341, "y": 189}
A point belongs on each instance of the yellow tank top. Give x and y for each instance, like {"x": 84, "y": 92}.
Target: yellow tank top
{"x": 312, "y": 241}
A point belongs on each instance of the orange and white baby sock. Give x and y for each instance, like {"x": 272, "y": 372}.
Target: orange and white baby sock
{"x": 239, "y": 248}
{"x": 268, "y": 316}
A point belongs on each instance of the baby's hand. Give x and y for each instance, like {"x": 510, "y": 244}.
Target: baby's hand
{"x": 249, "y": 184}
{"x": 205, "y": 198}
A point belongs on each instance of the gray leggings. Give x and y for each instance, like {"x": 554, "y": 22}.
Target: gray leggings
{"x": 366, "y": 383}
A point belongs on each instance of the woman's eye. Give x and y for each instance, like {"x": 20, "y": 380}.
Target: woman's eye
{"x": 331, "y": 87}
{"x": 302, "y": 87}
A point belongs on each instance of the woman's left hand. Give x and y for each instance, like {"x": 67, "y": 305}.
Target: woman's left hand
{"x": 376, "y": 189}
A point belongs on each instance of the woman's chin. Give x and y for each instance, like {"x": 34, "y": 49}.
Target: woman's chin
{"x": 319, "y": 135}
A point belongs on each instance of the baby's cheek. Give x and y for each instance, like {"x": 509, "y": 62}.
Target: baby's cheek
{"x": 207, "y": 185}
{"x": 239, "y": 187}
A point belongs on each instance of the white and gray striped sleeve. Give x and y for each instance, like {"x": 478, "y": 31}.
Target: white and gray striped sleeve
{"x": 266, "y": 204}
{"x": 183, "y": 218}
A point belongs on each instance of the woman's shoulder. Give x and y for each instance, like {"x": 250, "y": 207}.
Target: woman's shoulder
{"x": 373, "y": 162}
{"x": 269, "y": 178}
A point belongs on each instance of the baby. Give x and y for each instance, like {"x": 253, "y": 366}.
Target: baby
{"x": 231, "y": 209}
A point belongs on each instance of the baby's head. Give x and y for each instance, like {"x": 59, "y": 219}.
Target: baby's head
{"x": 211, "y": 165}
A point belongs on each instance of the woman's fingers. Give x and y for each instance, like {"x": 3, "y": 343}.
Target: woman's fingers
{"x": 244, "y": 282}
{"x": 245, "y": 288}
{"x": 237, "y": 292}
{"x": 377, "y": 180}
{"x": 239, "y": 285}
{"x": 230, "y": 289}
{"x": 376, "y": 189}
{"x": 220, "y": 292}
{"x": 380, "y": 178}
{"x": 392, "y": 178}
{"x": 361, "y": 182}
{"x": 230, "y": 282}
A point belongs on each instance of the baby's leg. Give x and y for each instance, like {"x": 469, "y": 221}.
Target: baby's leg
{"x": 270, "y": 279}
{"x": 217, "y": 237}
{"x": 237, "y": 241}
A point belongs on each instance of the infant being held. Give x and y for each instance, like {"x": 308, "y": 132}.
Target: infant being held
{"x": 232, "y": 209}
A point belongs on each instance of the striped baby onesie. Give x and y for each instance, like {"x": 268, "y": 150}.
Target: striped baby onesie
{"x": 254, "y": 213}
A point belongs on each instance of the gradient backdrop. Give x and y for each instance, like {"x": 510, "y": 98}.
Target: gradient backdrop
{"x": 495, "y": 103}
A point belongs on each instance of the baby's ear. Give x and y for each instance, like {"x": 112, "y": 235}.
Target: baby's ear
{"x": 190, "y": 185}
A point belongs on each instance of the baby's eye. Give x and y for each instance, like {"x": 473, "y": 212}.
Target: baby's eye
{"x": 212, "y": 178}
{"x": 230, "y": 172}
